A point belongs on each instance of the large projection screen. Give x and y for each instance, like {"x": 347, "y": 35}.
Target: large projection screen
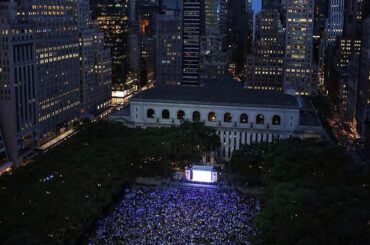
{"x": 202, "y": 176}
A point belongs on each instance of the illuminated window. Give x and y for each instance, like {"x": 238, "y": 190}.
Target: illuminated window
{"x": 276, "y": 120}
{"x": 243, "y": 118}
{"x": 212, "y": 117}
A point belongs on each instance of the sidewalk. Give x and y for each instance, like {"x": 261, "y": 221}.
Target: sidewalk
{"x": 57, "y": 140}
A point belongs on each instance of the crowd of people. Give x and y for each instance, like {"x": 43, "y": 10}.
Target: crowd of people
{"x": 176, "y": 215}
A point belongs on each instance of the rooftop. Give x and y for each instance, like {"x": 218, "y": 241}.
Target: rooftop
{"x": 217, "y": 95}
{"x": 308, "y": 116}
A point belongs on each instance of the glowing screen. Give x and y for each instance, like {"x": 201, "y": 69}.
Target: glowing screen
{"x": 202, "y": 176}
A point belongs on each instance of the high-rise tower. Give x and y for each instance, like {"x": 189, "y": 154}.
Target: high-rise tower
{"x": 168, "y": 26}
{"x": 18, "y": 84}
{"x": 214, "y": 52}
{"x": 264, "y": 69}
{"x": 192, "y": 18}
{"x": 112, "y": 16}
{"x": 299, "y": 75}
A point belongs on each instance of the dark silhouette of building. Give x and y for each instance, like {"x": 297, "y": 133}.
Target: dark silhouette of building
{"x": 112, "y": 16}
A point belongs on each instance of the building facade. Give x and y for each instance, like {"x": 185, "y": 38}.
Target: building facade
{"x": 332, "y": 32}
{"x": 95, "y": 64}
{"x": 299, "y": 73}
{"x": 355, "y": 11}
{"x": 168, "y": 25}
{"x": 53, "y": 67}
{"x": 241, "y": 27}
{"x": 265, "y": 68}
{"x": 112, "y": 17}
{"x": 215, "y": 54}
{"x": 363, "y": 93}
{"x": 18, "y": 84}
{"x": 240, "y": 116}
{"x": 191, "y": 31}
{"x": 5, "y": 164}
{"x": 57, "y": 55}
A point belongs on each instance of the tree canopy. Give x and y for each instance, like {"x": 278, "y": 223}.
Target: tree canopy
{"x": 55, "y": 198}
{"x": 312, "y": 194}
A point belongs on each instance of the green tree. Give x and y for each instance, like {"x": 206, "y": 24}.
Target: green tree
{"x": 313, "y": 194}
{"x": 246, "y": 163}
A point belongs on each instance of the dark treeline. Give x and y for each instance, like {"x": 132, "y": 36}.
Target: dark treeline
{"x": 55, "y": 198}
{"x": 312, "y": 192}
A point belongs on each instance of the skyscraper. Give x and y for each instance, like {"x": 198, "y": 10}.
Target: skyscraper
{"x": 355, "y": 11}
{"x": 95, "y": 63}
{"x": 18, "y": 84}
{"x": 192, "y": 19}
{"x": 241, "y": 32}
{"x": 53, "y": 67}
{"x": 321, "y": 12}
{"x": 57, "y": 54}
{"x": 168, "y": 25}
{"x": 134, "y": 45}
{"x": 214, "y": 50}
{"x": 334, "y": 22}
{"x": 363, "y": 93}
{"x": 147, "y": 10}
{"x": 3, "y": 152}
{"x": 332, "y": 32}
{"x": 142, "y": 39}
{"x": 112, "y": 16}
{"x": 264, "y": 69}
{"x": 299, "y": 77}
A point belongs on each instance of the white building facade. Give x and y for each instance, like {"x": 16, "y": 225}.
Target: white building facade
{"x": 237, "y": 123}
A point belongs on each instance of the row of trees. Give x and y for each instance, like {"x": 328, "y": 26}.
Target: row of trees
{"x": 312, "y": 193}
{"x": 55, "y": 198}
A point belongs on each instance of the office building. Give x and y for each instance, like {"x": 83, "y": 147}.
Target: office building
{"x": 241, "y": 33}
{"x": 112, "y": 16}
{"x": 147, "y": 10}
{"x": 348, "y": 89}
{"x": 320, "y": 17}
{"x": 3, "y": 151}
{"x": 53, "y": 68}
{"x": 134, "y": 52}
{"x": 5, "y": 164}
{"x": 192, "y": 19}
{"x": 18, "y": 85}
{"x": 363, "y": 93}
{"x": 265, "y": 68}
{"x": 215, "y": 54}
{"x": 168, "y": 26}
{"x": 142, "y": 40}
{"x": 299, "y": 74}
{"x": 334, "y": 22}
{"x": 95, "y": 64}
{"x": 332, "y": 32}
{"x": 57, "y": 54}
{"x": 355, "y": 11}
